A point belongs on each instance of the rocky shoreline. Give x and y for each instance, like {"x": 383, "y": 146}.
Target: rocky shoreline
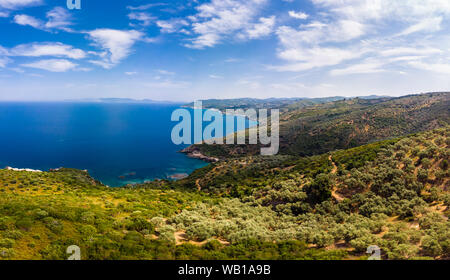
{"x": 193, "y": 152}
{"x": 23, "y": 169}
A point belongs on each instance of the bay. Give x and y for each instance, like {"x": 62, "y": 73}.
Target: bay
{"x": 118, "y": 143}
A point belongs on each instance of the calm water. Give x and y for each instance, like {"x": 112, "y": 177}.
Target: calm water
{"x": 117, "y": 143}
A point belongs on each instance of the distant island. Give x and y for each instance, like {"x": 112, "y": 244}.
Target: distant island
{"x": 122, "y": 100}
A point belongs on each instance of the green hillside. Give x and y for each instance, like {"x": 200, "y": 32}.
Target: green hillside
{"x": 271, "y": 103}
{"x": 343, "y": 124}
{"x": 393, "y": 194}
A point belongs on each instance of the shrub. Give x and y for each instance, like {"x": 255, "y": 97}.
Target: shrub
{"x": 362, "y": 243}
{"x": 431, "y": 246}
{"x": 166, "y": 233}
{"x": 6, "y": 253}
{"x": 141, "y": 224}
{"x": 402, "y": 252}
{"x": 12, "y": 234}
{"x": 200, "y": 231}
{"x": 422, "y": 175}
{"x": 426, "y": 163}
{"x": 320, "y": 189}
{"x": 24, "y": 224}
{"x": 87, "y": 230}
{"x": 52, "y": 224}
{"x": 444, "y": 164}
{"x": 40, "y": 214}
{"x": 158, "y": 221}
{"x": 6, "y": 243}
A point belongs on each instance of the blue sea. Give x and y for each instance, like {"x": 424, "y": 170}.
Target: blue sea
{"x": 118, "y": 143}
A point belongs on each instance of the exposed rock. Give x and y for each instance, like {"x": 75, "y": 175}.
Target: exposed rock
{"x": 178, "y": 176}
{"x": 25, "y": 169}
{"x": 193, "y": 152}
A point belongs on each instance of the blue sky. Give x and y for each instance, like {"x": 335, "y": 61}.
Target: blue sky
{"x": 185, "y": 50}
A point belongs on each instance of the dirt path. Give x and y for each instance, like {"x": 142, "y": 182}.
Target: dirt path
{"x": 336, "y": 196}
{"x": 197, "y": 184}
{"x": 335, "y": 168}
{"x": 181, "y": 238}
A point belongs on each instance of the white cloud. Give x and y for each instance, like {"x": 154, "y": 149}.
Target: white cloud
{"x": 172, "y": 25}
{"x": 130, "y": 73}
{"x": 288, "y": 86}
{"x": 4, "y": 61}
{"x": 4, "y": 14}
{"x": 3, "y": 51}
{"x": 231, "y": 60}
{"x": 145, "y": 7}
{"x": 58, "y": 18}
{"x": 116, "y": 43}
{"x": 405, "y": 58}
{"x": 17, "y": 4}
{"x": 348, "y": 30}
{"x": 48, "y": 49}
{"x": 165, "y": 72}
{"x": 28, "y": 20}
{"x": 302, "y": 48}
{"x": 52, "y": 65}
{"x": 427, "y": 25}
{"x": 17, "y": 70}
{"x": 212, "y": 76}
{"x": 261, "y": 29}
{"x": 367, "y": 67}
{"x": 298, "y": 15}
{"x": 367, "y": 10}
{"x": 204, "y": 40}
{"x": 440, "y": 68}
{"x": 144, "y": 19}
{"x": 4, "y": 57}
{"x": 371, "y": 33}
{"x": 252, "y": 85}
{"x": 52, "y": 49}
{"x": 401, "y": 51}
{"x": 219, "y": 19}
{"x": 102, "y": 63}
{"x": 309, "y": 58}
{"x": 318, "y": 33}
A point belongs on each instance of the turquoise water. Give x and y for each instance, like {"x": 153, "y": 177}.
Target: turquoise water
{"x": 118, "y": 143}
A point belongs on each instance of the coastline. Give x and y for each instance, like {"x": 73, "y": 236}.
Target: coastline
{"x": 23, "y": 169}
{"x": 194, "y": 152}
{"x": 224, "y": 112}
{"x": 190, "y": 152}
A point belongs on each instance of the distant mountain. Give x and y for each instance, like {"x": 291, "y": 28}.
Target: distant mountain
{"x": 373, "y": 96}
{"x": 346, "y": 123}
{"x": 122, "y": 100}
{"x": 254, "y": 103}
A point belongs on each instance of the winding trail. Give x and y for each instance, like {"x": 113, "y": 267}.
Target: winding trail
{"x": 197, "y": 184}
{"x": 335, "y": 168}
{"x": 336, "y": 196}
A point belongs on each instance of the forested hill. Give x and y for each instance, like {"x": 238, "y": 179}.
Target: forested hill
{"x": 317, "y": 129}
{"x": 393, "y": 194}
{"x": 284, "y": 104}
{"x": 270, "y": 103}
